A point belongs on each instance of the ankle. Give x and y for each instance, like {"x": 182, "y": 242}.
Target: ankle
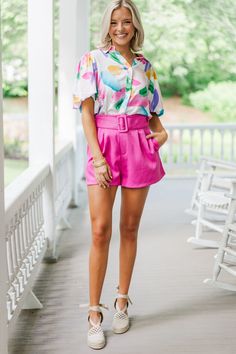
{"x": 122, "y": 303}
{"x": 94, "y": 317}
{"x": 95, "y": 314}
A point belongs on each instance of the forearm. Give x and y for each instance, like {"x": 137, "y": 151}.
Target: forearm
{"x": 156, "y": 127}
{"x": 90, "y": 131}
{"x": 155, "y": 124}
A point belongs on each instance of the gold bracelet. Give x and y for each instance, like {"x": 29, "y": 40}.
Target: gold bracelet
{"x": 98, "y": 158}
{"x": 100, "y": 164}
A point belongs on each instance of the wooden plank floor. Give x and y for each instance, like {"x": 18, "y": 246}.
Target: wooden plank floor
{"x": 172, "y": 311}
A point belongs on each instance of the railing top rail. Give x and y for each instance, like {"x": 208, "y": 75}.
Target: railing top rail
{"x": 219, "y": 163}
{"x": 63, "y": 150}
{"x": 201, "y": 126}
{"x": 23, "y": 186}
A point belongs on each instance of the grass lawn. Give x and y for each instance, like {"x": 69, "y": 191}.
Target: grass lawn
{"x": 13, "y": 168}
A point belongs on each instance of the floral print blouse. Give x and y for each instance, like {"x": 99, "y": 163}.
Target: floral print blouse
{"x": 116, "y": 86}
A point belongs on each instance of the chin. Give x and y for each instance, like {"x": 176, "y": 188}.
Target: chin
{"x": 122, "y": 42}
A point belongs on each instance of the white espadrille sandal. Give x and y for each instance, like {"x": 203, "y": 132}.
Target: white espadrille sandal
{"x": 120, "y": 322}
{"x": 95, "y": 337}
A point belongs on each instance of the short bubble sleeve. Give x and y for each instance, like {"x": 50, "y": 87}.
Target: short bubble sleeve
{"x": 85, "y": 83}
{"x": 155, "y": 96}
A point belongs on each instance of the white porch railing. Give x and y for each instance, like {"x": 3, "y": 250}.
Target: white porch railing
{"x": 64, "y": 167}
{"x": 188, "y": 142}
{"x": 25, "y": 220}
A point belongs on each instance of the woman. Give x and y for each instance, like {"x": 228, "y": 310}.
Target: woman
{"x": 120, "y": 100}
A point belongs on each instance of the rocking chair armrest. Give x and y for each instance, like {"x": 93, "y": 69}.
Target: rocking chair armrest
{"x": 222, "y": 164}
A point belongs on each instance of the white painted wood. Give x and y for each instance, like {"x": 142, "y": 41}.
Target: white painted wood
{"x": 31, "y": 302}
{"x": 41, "y": 102}
{"x": 202, "y": 243}
{"x": 25, "y": 241}
{"x": 41, "y": 81}
{"x": 3, "y": 259}
{"x": 73, "y": 43}
{"x": 64, "y": 180}
{"x": 212, "y": 173}
{"x": 218, "y": 201}
{"x": 64, "y": 224}
{"x": 180, "y": 153}
{"x": 226, "y": 256}
{"x": 220, "y": 284}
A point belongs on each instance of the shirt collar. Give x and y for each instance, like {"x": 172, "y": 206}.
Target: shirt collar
{"x": 112, "y": 48}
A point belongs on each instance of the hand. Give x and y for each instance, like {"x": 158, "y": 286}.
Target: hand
{"x": 161, "y": 137}
{"x": 103, "y": 175}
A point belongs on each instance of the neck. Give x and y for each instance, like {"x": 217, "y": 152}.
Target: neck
{"x": 124, "y": 50}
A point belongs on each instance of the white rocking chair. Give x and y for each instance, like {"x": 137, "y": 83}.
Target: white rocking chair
{"x": 226, "y": 259}
{"x": 212, "y": 174}
{"x": 216, "y": 202}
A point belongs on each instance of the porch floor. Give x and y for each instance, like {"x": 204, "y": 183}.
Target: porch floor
{"x": 172, "y": 312}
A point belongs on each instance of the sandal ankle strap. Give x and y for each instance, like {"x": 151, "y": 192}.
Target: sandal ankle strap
{"x": 95, "y": 307}
{"x": 98, "y": 307}
{"x": 124, "y": 296}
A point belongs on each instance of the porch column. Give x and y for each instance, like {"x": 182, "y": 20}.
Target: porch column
{"x": 41, "y": 101}
{"x": 73, "y": 43}
{"x": 3, "y": 254}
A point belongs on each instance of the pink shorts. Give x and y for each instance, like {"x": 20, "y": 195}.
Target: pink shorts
{"x": 134, "y": 160}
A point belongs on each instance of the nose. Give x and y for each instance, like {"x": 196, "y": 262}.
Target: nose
{"x": 120, "y": 26}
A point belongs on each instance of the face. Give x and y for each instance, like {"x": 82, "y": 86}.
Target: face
{"x": 121, "y": 28}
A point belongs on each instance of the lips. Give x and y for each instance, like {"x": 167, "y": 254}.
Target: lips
{"x": 123, "y": 35}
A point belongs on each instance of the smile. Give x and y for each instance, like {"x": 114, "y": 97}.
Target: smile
{"x": 121, "y": 35}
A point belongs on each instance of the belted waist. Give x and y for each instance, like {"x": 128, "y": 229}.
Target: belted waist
{"x": 121, "y": 122}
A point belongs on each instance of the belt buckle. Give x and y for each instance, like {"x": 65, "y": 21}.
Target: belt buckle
{"x": 123, "y": 122}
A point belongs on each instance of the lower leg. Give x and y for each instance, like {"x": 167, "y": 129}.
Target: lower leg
{"x": 128, "y": 251}
{"x": 97, "y": 269}
{"x": 132, "y": 204}
{"x": 100, "y": 207}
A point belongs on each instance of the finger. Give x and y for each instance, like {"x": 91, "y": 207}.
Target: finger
{"x": 101, "y": 184}
{"x": 106, "y": 176}
{"x": 149, "y": 136}
{"x": 109, "y": 170}
{"x": 103, "y": 180}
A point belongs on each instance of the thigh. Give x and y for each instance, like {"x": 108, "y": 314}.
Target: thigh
{"x": 101, "y": 203}
{"x": 132, "y": 204}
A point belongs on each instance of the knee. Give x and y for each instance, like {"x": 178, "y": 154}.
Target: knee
{"x": 101, "y": 235}
{"x": 129, "y": 231}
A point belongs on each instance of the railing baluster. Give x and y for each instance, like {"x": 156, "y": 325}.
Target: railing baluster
{"x": 233, "y": 143}
{"x": 170, "y": 155}
{"x": 212, "y": 143}
{"x": 222, "y": 144}
{"x": 191, "y": 147}
{"x": 181, "y": 160}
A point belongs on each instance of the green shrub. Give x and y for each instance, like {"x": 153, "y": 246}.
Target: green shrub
{"x": 218, "y": 99}
{"x": 15, "y": 149}
{"x": 15, "y": 89}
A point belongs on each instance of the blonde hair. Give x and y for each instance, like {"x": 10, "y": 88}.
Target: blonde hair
{"x": 138, "y": 38}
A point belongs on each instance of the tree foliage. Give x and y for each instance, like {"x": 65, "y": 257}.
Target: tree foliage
{"x": 190, "y": 42}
